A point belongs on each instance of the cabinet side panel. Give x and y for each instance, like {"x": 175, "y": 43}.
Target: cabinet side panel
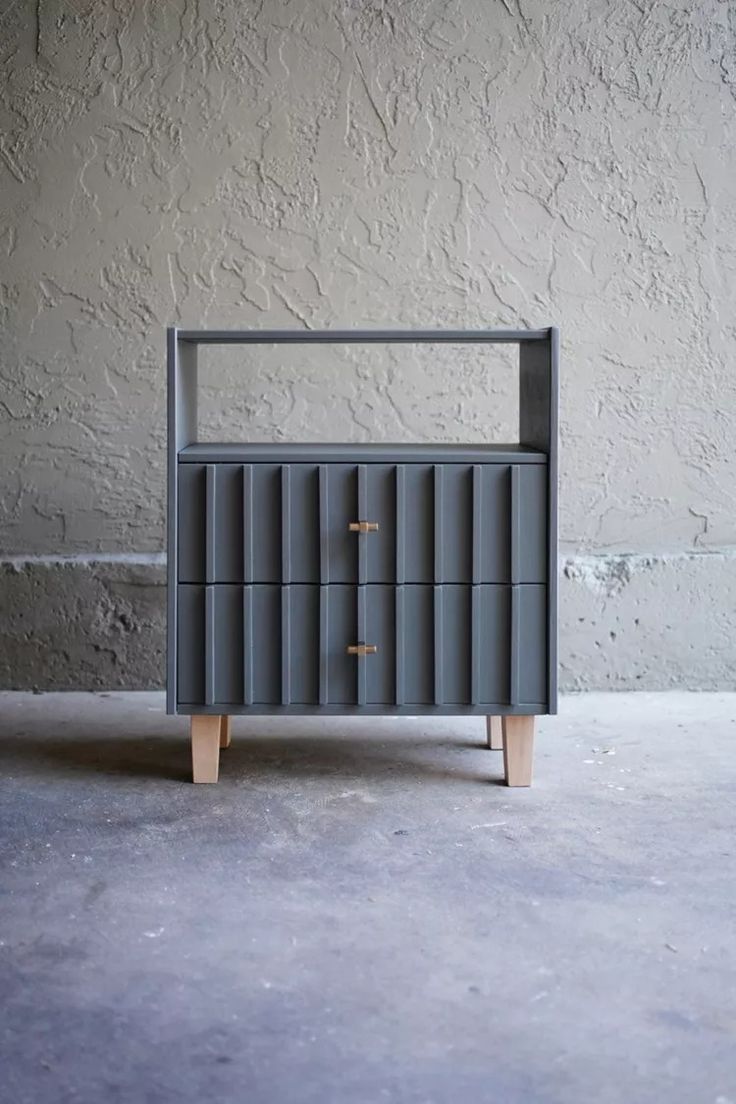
{"x": 552, "y": 515}
{"x": 539, "y": 428}
{"x": 191, "y": 644}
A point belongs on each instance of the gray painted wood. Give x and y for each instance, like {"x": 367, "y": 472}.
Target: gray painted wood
{"x": 324, "y": 525}
{"x": 442, "y": 523}
{"x": 204, "y": 452}
{"x": 477, "y": 523}
{"x": 286, "y": 629}
{"x": 248, "y": 645}
{"x": 438, "y": 620}
{"x": 324, "y": 611}
{"x": 181, "y": 410}
{"x": 266, "y": 643}
{"x": 363, "y": 337}
{"x": 361, "y": 514}
{"x": 456, "y": 650}
{"x": 342, "y": 630}
{"x": 380, "y": 629}
{"x": 362, "y": 638}
{"x": 400, "y": 523}
{"x": 399, "y": 643}
{"x": 304, "y": 636}
{"x": 286, "y": 538}
{"x": 342, "y": 545}
{"x": 437, "y": 646}
{"x": 189, "y": 622}
{"x": 381, "y": 552}
{"x": 246, "y": 528}
{"x": 212, "y": 625}
{"x": 515, "y": 535}
{"x": 210, "y": 534}
{"x": 438, "y": 521}
{"x": 514, "y": 633}
{"x": 539, "y": 429}
{"x": 459, "y": 585}
{"x": 186, "y": 709}
{"x": 418, "y": 524}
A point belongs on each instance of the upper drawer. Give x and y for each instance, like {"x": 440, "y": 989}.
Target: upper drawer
{"x": 291, "y": 523}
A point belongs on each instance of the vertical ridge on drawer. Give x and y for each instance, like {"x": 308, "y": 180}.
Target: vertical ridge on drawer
{"x": 475, "y": 646}
{"x": 400, "y": 523}
{"x": 361, "y": 660}
{"x": 247, "y": 470}
{"x": 324, "y": 529}
{"x": 324, "y": 644}
{"x": 248, "y": 645}
{"x": 400, "y": 635}
{"x": 438, "y": 645}
{"x": 439, "y": 544}
{"x": 286, "y": 645}
{"x": 514, "y": 522}
{"x": 477, "y": 522}
{"x": 285, "y": 523}
{"x": 209, "y": 542}
{"x": 362, "y": 516}
{"x": 514, "y": 645}
{"x": 209, "y": 645}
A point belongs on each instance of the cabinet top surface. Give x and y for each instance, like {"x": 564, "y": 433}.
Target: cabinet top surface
{"x": 204, "y": 452}
{"x": 349, "y": 337}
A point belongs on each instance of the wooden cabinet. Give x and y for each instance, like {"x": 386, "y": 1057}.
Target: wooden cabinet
{"x": 363, "y": 578}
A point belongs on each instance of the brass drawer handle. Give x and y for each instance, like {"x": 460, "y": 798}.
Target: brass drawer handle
{"x": 363, "y": 526}
{"x": 362, "y": 649}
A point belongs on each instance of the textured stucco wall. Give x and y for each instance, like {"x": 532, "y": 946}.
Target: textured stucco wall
{"x": 343, "y": 163}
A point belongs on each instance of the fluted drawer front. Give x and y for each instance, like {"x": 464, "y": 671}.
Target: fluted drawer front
{"x": 413, "y": 523}
{"x": 436, "y": 646}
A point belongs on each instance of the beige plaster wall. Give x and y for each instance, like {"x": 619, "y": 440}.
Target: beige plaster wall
{"x": 345, "y": 163}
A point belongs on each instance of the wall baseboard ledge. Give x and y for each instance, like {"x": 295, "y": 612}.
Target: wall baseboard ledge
{"x": 628, "y": 621}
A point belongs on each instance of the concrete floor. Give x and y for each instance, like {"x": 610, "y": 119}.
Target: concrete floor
{"x": 359, "y": 912}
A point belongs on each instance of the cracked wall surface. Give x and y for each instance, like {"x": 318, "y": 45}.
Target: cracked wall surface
{"x": 343, "y": 163}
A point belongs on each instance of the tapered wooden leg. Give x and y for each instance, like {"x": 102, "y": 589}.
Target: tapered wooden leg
{"x": 224, "y": 732}
{"x": 518, "y": 750}
{"x": 205, "y": 748}
{"x": 494, "y": 733}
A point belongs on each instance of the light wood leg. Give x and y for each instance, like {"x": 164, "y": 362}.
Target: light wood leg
{"x": 518, "y": 750}
{"x": 494, "y": 733}
{"x": 224, "y": 732}
{"x": 205, "y": 748}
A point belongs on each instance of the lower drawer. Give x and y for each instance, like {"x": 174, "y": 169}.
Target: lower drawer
{"x": 255, "y": 648}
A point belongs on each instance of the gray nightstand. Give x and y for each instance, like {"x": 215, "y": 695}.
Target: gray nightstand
{"x": 360, "y": 578}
